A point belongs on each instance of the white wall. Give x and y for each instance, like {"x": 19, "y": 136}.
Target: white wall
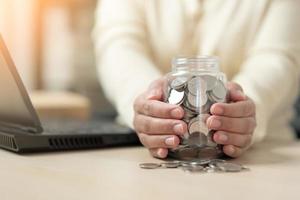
{"x": 16, "y": 27}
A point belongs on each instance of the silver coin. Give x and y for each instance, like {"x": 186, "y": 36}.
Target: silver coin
{"x": 202, "y": 162}
{"x": 197, "y": 139}
{"x": 213, "y": 162}
{"x": 196, "y": 102}
{"x": 219, "y": 92}
{"x": 229, "y": 167}
{"x": 210, "y": 81}
{"x": 173, "y": 164}
{"x": 197, "y": 124}
{"x": 175, "y": 97}
{"x": 193, "y": 169}
{"x": 212, "y": 169}
{"x": 149, "y": 165}
{"x": 179, "y": 83}
{"x": 188, "y": 114}
{"x": 197, "y": 86}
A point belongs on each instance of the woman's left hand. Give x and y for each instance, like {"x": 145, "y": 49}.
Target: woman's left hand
{"x": 234, "y": 122}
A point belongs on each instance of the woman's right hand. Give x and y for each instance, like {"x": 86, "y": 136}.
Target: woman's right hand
{"x": 158, "y": 124}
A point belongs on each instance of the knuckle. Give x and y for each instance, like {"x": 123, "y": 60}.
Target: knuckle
{"x": 135, "y": 104}
{"x": 146, "y": 107}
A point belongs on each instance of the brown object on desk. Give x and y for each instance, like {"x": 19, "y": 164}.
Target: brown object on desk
{"x": 61, "y": 105}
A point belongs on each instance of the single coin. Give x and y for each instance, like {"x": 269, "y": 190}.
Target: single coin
{"x": 213, "y": 162}
{"x": 197, "y": 139}
{"x": 202, "y": 162}
{"x": 173, "y": 164}
{"x": 197, "y": 86}
{"x": 179, "y": 83}
{"x": 175, "y": 97}
{"x": 192, "y": 169}
{"x": 210, "y": 81}
{"x": 219, "y": 92}
{"x": 196, "y": 102}
{"x": 150, "y": 165}
{"x": 229, "y": 167}
{"x": 198, "y": 125}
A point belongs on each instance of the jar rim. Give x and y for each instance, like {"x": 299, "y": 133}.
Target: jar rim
{"x": 196, "y": 63}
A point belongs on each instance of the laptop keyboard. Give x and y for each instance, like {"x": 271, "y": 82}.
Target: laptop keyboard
{"x": 78, "y": 127}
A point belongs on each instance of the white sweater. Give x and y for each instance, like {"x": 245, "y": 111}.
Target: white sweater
{"x": 258, "y": 43}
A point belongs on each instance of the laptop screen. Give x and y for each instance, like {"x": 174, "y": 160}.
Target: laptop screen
{"x": 16, "y": 109}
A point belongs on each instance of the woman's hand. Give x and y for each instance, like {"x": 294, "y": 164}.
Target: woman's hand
{"x": 158, "y": 124}
{"x": 234, "y": 122}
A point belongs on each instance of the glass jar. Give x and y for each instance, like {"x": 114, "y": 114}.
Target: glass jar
{"x": 196, "y": 83}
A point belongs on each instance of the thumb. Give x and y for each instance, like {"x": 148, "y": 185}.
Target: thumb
{"x": 235, "y": 92}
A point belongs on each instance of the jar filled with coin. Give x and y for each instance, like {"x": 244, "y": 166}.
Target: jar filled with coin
{"x": 196, "y": 83}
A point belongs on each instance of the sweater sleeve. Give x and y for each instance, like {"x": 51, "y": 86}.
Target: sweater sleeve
{"x": 123, "y": 54}
{"x": 270, "y": 72}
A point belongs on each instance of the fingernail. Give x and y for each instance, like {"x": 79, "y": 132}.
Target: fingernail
{"x": 178, "y": 128}
{"x": 215, "y": 123}
{"x": 223, "y": 137}
{"x": 176, "y": 113}
{"x": 170, "y": 141}
{"x": 231, "y": 150}
{"x": 161, "y": 153}
{"x": 218, "y": 110}
{"x": 241, "y": 94}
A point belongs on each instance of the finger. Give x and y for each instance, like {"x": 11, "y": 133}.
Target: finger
{"x": 235, "y": 92}
{"x": 159, "y": 152}
{"x": 222, "y": 137}
{"x": 159, "y": 141}
{"x": 233, "y": 151}
{"x": 158, "y": 109}
{"x": 234, "y": 86}
{"x": 237, "y": 109}
{"x": 155, "y": 90}
{"x": 151, "y": 125}
{"x": 236, "y": 125}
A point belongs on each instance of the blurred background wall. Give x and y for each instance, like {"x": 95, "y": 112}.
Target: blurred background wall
{"x": 50, "y": 41}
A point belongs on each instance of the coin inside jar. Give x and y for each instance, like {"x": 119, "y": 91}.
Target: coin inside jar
{"x": 218, "y": 94}
{"x": 197, "y": 139}
{"x": 210, "y": 81}
{"x": 179, "y": 83}
{"x": 197, "y": 85}
{"x": 197, "y": 124}
{"x": 175, "y": 97}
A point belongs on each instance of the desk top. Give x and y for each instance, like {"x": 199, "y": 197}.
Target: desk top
{"x": 115, "y": 174}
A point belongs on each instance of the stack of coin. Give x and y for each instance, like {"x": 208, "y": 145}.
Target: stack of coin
{"x": 196, "y": 94}
{"x": 202, "y": 165}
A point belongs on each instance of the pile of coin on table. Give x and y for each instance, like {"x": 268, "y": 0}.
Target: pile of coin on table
{"x": 196, "y": 94}
{"x": 204, "y": 166}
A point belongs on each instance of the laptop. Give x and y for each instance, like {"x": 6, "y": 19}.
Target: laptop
{"x": 21, "y": 130}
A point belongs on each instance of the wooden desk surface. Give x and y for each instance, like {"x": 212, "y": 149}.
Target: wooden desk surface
{"x": 114, "y": 174}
